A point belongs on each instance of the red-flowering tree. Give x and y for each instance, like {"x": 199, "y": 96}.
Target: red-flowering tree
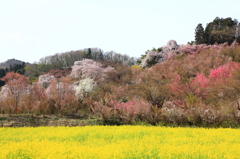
{"x": 16, "y": 85}
{"x": 58, "y": 73}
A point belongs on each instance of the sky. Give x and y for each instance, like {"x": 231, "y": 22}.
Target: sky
{"x": 32, "y": 29}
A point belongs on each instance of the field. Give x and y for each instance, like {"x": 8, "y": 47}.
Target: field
{"x": 119, "y": 142}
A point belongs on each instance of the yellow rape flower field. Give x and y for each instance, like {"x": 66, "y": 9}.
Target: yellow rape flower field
{"x": 119, "y": 142}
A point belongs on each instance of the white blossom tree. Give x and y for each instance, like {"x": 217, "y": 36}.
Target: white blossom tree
{"x": 85, "y": 86}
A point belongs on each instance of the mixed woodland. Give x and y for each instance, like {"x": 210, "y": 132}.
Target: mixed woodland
{"x": 197, "y": 86}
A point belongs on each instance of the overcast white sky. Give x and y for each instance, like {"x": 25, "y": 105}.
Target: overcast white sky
{"x": 31, "y": 29}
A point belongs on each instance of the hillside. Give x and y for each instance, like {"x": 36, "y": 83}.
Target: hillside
{"x": 9, "y": 62}
{"x": 198, "y": 85}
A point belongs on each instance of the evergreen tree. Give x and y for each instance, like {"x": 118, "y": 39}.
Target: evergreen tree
{"x": 11, "y": 68}
{"x": 2, "y": 73}
{"x": 89, "y": 54}
{"x": 6, "y": 69}
{"x": 199, "y": 34}
{"x": 19, "y": 68}
{"x": 2, "y": 83}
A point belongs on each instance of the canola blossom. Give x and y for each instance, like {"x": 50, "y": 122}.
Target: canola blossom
{"x": 119, "y": 142}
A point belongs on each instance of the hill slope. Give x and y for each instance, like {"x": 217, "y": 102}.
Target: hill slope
{"x": 9, "y": 62}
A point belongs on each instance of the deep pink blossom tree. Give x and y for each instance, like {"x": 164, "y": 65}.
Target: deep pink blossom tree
{"x": 224, "y": 71}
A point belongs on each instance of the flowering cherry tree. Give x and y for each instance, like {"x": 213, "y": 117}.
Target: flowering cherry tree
{"x": 89, "y": 69}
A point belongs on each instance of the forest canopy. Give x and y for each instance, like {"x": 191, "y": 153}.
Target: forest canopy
{"x": 220, "y": 30}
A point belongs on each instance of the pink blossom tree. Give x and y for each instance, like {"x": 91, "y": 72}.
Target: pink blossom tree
{"x": 89, "y": 69}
